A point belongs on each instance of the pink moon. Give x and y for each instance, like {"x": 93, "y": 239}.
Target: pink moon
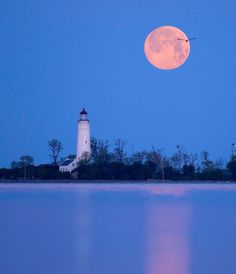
{"x": 167, "y": 47}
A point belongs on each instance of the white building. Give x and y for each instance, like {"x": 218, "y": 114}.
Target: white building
{"x": 83, "y": 144}
{"x": 68, "y": 165}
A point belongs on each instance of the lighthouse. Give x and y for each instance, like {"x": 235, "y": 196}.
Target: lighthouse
{"x": 83, "y": 139}
{"x": 83, "y": 144}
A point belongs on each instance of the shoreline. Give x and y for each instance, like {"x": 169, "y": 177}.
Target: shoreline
{"x": 74, "y": 181}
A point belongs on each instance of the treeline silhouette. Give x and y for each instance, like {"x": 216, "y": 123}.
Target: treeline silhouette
{"x": 110, "y": 161}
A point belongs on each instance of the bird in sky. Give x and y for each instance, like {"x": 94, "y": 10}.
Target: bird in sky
{"x": 186, "y": 40}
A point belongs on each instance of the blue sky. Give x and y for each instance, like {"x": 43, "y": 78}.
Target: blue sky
{"x": 59, "y": 56}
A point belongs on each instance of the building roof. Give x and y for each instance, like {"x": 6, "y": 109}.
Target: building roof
{"x": 83, "y": 111}
{"x": 66, "y": 162}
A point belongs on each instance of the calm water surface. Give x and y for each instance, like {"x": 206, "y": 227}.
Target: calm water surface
{"x": 117, "y": 228}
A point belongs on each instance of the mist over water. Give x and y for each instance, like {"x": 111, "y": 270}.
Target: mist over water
{"x": 117, "y": 228}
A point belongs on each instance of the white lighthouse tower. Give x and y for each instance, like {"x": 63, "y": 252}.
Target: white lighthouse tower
{"x": 83, "y": 144}
{"x": 83, "y": 140}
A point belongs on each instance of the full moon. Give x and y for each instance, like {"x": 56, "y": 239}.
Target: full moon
{"x": 167, "y": 47}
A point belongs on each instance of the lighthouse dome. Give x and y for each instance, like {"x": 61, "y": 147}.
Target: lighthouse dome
{"x": 83, "y": 115}
{"x": 83, "y": 111}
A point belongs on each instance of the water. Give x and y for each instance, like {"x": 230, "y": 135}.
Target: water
{"x": 117, "y": 228}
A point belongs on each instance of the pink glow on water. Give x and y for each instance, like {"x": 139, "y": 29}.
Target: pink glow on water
{"x": 169, "y": 188}
{"x": 168, "y": 249}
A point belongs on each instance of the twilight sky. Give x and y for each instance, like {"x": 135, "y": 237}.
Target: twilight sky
{"x": 59, "y": 56}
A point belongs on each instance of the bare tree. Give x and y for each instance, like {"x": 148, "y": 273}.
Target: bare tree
{"x": 233, "y": 152}
{"x": 100, "y": 151}
{"x": 182, "y": 158}
{"x": 55, "y": 147}
{"x": 219, "y": 163}
{"x": 206, "y": 162}
{"x": 119, "y": 150}
{"x": 139, "y": 157}
{"x": 158, "y": 159}
{"x": 193, "y": 159}
{"x": 176, "y": 158}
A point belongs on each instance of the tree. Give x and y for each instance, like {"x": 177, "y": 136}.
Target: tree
{"x": 232, "y": 167}
{"x": 138, "y": 157}
{"x": 219, "y": 163}
{"x": 27, "y": 160}
{"x": 85, "y": 159}
{"x": 158, "y": 158}
{"x": 15, "y": 164}
{"x": 55, "y": 147}
{"x": 233, "y": 153}
{"x": 207, "y": 164}
{"x": 119, "y": 151}
{"x": 24, "y": 161}
{"x": 188, "y": 170}
{"x": 100, "y": 151}
{"x": 181, "y": 158}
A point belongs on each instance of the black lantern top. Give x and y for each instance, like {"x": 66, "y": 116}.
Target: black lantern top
{"x": 84, "y": 115}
